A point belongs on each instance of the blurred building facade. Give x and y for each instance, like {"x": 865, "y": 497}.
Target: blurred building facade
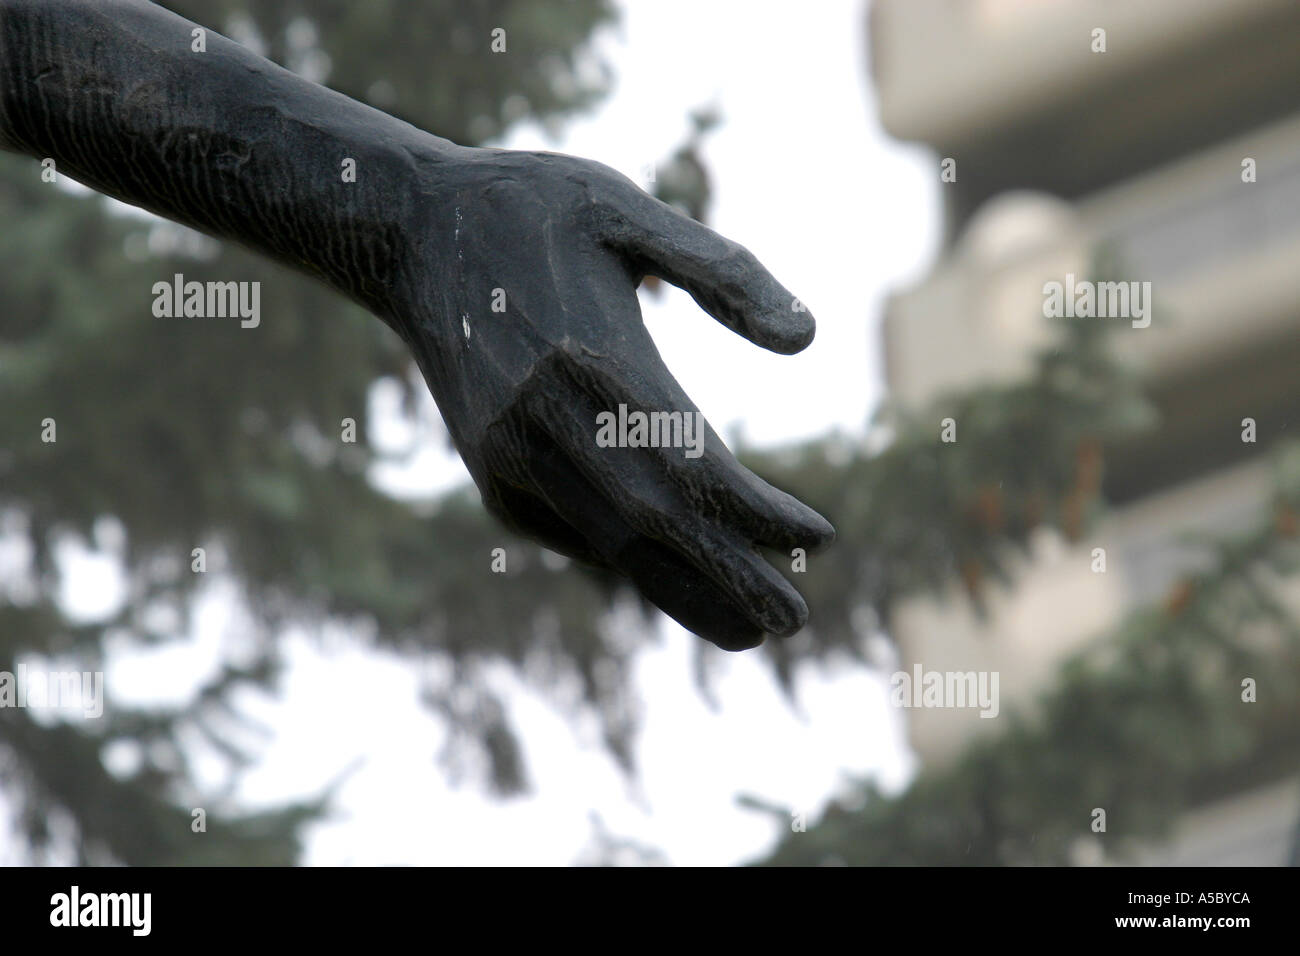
{"x": 1060, "y": 149}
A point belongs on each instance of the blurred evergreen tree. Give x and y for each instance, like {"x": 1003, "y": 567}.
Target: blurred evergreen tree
{"x": 1147, "y": 722}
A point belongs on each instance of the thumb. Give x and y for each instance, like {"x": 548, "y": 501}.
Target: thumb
{"x": 724, "y": 277}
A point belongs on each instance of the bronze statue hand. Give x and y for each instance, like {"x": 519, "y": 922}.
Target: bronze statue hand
{"x": 526, "y": 324}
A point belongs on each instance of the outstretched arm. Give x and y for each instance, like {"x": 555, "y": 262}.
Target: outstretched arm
{"x": 223, "y": 140}
{"x": 430, "y": 236}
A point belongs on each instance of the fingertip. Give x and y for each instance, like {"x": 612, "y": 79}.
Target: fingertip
{"x": 789, "y": 618}
{"x": 773, "y": 602}
{"x": 786, "y": 522}
{"x": 820, "y": 532}
{"x": 805, "y": 528}
{"x": 739, "y": 640}
{"x": 787, "y": 333}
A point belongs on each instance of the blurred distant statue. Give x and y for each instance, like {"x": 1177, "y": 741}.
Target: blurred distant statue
{"x": 511, "y": 276}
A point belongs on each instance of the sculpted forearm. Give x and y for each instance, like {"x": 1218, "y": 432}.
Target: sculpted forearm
{"x": 222, "y": 140}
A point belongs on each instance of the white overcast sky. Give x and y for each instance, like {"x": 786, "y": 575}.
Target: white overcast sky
{"x": 841, "y": 214}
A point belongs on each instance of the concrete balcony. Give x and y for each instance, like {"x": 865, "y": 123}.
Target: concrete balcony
{"x": 1221, "y": 256}
{"x": 1014, "y": 92}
